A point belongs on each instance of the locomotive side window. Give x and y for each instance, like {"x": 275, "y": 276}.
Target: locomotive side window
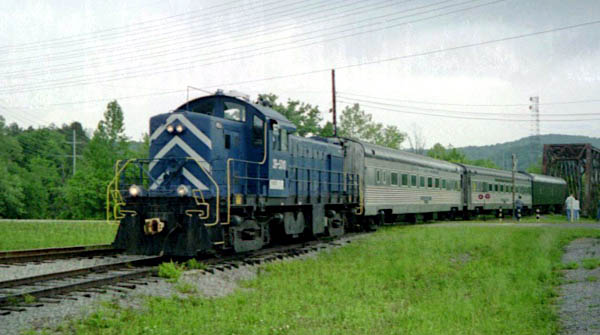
{"x": 234, "y": 111}
{"x": 257, "y": 131}
{"x": 284, "y": 140}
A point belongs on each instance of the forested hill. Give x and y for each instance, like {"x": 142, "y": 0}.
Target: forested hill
{"x": 501, "y": 153}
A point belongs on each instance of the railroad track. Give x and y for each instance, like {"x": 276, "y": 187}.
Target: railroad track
{"x": 40, "y": 255}
{"x": 18, "y": 294}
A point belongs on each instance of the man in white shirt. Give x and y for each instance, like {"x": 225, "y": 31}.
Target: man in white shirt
{"x": 576, "y": 209}
{"x": 569, "y": 204}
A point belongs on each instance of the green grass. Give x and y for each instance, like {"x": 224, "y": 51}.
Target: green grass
{"x": 400, "y": 280}
{"x": 544, "y": 218}
{"x": 170, "y": 270}
{"x": 16, "y": 235}
{"x": 555, "y": 218}
{"x": 591, "y": 263}
{"x": 567, "y": 266}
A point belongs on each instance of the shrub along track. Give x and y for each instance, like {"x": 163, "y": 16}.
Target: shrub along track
{"x": 34, "y": 291}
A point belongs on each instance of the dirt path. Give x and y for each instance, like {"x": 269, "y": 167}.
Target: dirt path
{"x": 579, "y": 303}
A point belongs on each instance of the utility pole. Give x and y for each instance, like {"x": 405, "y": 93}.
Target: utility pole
{"x": 514, "y": 169}
{"x": 74, "y": 155}
{"x": 333, "y": 102}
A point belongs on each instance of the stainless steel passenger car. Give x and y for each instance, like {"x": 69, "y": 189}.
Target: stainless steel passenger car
{"x": 491, "y": 189}
{"x": 398, "y": 182}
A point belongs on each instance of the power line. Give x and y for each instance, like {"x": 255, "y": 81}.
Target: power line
{"x": 350, "y": 103}
{"x": 219, "y": 59}
{"x": 173, "y": 37}
{"x": 343, "y": 96}
{"x": 218, "y": 41}
{"x": 469, "y": 105}
{"x": 127, "y": 28}
{"x": 298, "y": 74}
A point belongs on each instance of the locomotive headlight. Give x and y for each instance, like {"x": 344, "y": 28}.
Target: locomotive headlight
{"x": 170, "y": 128}
{"x": 134, "y": 190}
{"x": 182, "y": 190}
{"x": 179, "y": 128}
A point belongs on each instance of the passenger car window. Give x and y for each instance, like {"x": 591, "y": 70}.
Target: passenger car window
{"x": 234, "y": 111}
{"x": 413, "y": 180}
{"x": 429, "y": 182}
{"x": 404, "y": 179}
{"x": 394, "y": 178}
{"x": 422, "y": 181}
{"x": 437, "y": 182}
{"x": 257, "y": 131}
{"x": 496, "y": 187}
{"x": 378, "y": 176}
{"x": 444, "y": 183}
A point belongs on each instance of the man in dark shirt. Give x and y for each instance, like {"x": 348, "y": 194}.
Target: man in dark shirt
{"x": 518, "y": 208}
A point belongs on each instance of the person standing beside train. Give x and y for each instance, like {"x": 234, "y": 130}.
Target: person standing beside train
{"x": 518, "y": 208}
{"x": 569, "y": 204}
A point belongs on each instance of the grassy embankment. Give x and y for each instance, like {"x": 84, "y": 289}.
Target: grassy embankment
{"x": 16, "y": 235}
{"x": 402, "y": 280}
{"x": 544, "y": 218}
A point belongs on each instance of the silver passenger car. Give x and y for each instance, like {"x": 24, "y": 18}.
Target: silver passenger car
{"x": 398, "y": 182}
{"x": 491, "y": 189}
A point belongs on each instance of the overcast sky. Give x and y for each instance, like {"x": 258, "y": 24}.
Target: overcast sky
{"x": 62, "y": 61}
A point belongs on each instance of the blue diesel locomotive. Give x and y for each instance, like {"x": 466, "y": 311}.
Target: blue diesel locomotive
{"x": 227, "y": 174}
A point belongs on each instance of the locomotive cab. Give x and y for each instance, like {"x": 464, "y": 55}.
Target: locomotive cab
{"x": 212, "y": 162}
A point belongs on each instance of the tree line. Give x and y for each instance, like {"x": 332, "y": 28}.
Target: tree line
{"x": 37, "y": 180}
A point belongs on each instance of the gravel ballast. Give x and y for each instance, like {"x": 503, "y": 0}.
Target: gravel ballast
{"x": 51, "y": 315}
{"x": 579, "y": 302}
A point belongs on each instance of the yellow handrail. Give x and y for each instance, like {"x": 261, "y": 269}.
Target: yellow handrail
{"x": 217, "y": 199}
{"x": 115, "y": 182}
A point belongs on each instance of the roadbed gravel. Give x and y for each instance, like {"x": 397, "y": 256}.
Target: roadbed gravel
{"x": 579, "y": 302}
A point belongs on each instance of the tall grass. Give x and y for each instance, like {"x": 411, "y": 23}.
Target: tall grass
{"x": 401, "y": 280}
{"x": 30, "y": 234}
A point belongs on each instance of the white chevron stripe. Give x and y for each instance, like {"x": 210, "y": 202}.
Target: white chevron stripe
{"x": 172, "y": 143}
{"x": 188, "y": 126}
{"x": 157, "y": 182}
{"x": 189, "y": 176}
